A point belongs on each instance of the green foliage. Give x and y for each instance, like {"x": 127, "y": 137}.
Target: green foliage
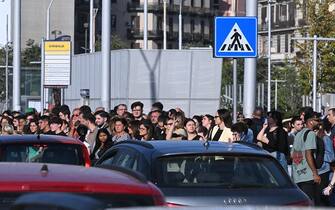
{"x": 116, "y": 43}
{"x": 32, "y": 52}
{"x": 289, "y": 89}
{"x": 320, "y": 22}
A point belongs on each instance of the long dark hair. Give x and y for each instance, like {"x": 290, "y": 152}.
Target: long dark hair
{"x": 225, "y": 116}
{"x": 149, "y": 126}
{"x": 277, "y": 117}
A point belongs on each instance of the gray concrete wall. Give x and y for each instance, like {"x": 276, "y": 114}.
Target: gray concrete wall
{"x": 189, "y": 79}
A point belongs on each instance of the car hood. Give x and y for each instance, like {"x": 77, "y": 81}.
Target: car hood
{"x": 218, "y": 197}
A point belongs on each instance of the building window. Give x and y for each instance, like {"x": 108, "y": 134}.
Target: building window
{"x": 202, "y": 29}
{"x": 170, "y": 24}
{"x": 192, "y": 26}
{"x": 278, "y": 44}
{"x": 286, "y": 43}
{"x": 113, "y": 21}
{"x": 292, "y": 44}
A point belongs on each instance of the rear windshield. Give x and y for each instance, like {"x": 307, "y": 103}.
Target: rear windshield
{"x": 45, "y": 153}
{"x": 109, "y": 200}
{"x": 220, "y": 172}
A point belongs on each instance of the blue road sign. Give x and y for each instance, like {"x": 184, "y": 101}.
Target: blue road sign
{"x": 235, "y": 37}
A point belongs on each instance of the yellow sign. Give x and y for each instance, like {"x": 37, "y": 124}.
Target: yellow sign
{"x": 57, "y": 46}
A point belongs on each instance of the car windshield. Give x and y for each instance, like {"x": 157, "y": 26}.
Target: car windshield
{"x": 45, "y": 153}
{"x": 220, "y": 172}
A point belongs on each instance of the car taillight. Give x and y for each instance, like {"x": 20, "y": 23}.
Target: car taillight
{"x": 172, "y": 205}
{"x": 301, "y": 203}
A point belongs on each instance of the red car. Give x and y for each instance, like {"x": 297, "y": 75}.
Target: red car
{"x": 44, "y": 149}
{"x": 111, "y": 187}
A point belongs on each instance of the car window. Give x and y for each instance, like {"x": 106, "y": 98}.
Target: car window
{"x": 220, "y": 171}
{"x": 45, "y": 153}
{"x": 122, "y": 157}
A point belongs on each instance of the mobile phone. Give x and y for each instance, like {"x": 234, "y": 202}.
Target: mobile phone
{"x": 266, "y": 121}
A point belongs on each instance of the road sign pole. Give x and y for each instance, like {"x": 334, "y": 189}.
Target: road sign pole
{"x": 42, "y": 76}
{"x": 235, "y": 90}
{"x": 249, "y": 96}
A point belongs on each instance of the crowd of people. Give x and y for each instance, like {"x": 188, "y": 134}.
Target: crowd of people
{"x": 303, "y": 145}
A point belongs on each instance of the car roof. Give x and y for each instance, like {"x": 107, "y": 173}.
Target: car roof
{"x": 20, "y": 177}
{"x": 175, "y": 147}
{"x": 17, "y": 139}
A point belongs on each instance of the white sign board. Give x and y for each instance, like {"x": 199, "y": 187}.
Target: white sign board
{"x": 57, "y": 63}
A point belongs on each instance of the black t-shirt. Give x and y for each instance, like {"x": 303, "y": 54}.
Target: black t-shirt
{"x": 277, "y": 141}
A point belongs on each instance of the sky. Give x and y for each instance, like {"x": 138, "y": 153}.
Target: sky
{"x": 4, "y": 10}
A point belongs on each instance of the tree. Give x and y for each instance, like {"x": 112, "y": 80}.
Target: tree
{"x": 116, "y": 43}
{"x": 320, "y": 22}
{"x": 289, "y": 91}
{"x": 32, "y": 52}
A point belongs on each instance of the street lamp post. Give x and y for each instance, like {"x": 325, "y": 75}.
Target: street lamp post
{"x": 7, "y": 52}
{"x": 164, "y": 25}
{"x": 48, "y": 19}
{"x": 180, "y": 25}
{"x": 269, "y": 55}
{"x": 145, "y": 32}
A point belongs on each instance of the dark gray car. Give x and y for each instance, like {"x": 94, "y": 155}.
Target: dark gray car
{"x": 199, "y": 173}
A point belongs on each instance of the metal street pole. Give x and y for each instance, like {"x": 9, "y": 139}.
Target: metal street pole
{"x": 48, "y": 20}
{"x": 180, "y": 25}
{"x": 164, "y": 25}
{"x": 276, "y": 94}
{"x": 269, "y": 55}
{"x": 42, "y": 76}
{"x": 315, "y": 51}
{"x": 234, "y": 90}
{"x": 235, "y": 79}
{"x": 46, "y": 92}
{"x": 17, "y": 56}
{"x": 249, "y": 96}
{"x": 91, "y": 25}
{"x": 6, "y": 48}
{"x": 145, "y": 32}
{"x": 106, "y": 54}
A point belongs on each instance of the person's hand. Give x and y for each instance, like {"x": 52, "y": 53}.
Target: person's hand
{"x": 317, "y": 178}
{"x": 265, "y": 125}
{"x": 327, "y": 190}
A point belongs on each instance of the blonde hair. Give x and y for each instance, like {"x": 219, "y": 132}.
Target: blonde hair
{"x": 7, "y": 128}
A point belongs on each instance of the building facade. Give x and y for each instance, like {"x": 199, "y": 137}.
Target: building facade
{"x": 127, "y": 21}
{"x": 286, "y": 20}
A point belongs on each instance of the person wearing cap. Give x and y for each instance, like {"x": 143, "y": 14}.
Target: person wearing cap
{"x": 304, "y": 171}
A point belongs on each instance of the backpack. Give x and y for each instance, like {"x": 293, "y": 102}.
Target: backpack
{"x": 319, "y": 152}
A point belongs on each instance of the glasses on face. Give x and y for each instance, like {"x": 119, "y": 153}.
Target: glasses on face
{"x": 169, "y": 123}
{"x": 235, "y": 134}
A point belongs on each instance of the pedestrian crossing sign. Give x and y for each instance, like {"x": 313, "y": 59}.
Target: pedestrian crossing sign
{"x": 235, "y": 37}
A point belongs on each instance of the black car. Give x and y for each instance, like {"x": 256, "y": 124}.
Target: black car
{"x": 202, "y": 173}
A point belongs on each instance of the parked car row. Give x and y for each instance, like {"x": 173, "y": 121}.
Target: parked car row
{"x": 138, "y": 173}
